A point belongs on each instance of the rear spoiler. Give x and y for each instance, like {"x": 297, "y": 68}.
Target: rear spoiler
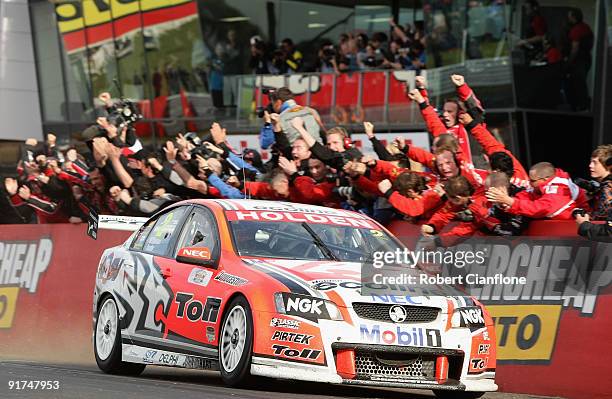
{"x": 111, "y": 222}
{"x": 124, "y": 223}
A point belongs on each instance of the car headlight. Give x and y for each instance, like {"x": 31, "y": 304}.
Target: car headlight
{"x": 469, "y": 317}
{"x": 306, "y": 306}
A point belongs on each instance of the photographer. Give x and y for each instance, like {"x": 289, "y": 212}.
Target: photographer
{"x": 327, "y": 62}
{"x": 599, "y": 189}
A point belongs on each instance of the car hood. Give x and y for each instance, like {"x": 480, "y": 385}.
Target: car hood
{"x": 341, "y": 282}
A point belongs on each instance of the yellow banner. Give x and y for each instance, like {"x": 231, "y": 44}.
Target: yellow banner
{"x": 75, "y": 15}
{"x": 8, "y": 303}
{"x": 525, "y": 332}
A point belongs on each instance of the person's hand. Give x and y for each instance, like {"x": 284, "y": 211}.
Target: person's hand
{"x": 354, "y": 168}
{"x": 581, "y": 219}
{"x": 385, "y": 186}
{"x": 499, "y": 195}
{"x": 218, "y": 133}
{"x": 99, "y": 150}
{"x": 170, "y": 151}
{"x": 213, "y": 147}
{"x": 113, "y": 152}
{"x": 465, "y": 118}
{"x": 297, "y": 122}
{"x": 427, "y": 230}
{"x": 154, "y": 162}
{"x": 31, "y": 142}
{"x": 274, "y": 118}
{"x": 287, "y": 166}
{"x": 233, "y": 181}
{"x": 420, "y": 82}
{"x": 111, "y": 129}
{"x": 458, "y": 80}
{"x": 215, "y": 166}
{"x": 72, "y": 155}
{"x": 159, "y": 192}
{"x": 51, "y": 140}
{"x": 106, "y": 98}
{"x": 415, "y": 95}
{"x": 44, "y": 179}
{"x": 24, "y": 192}
{"x": 54, "y": 166}
{"x": 367, "y": 159}
{"x": 439, "y": 189}
{"x": 114, "y": 192}
{"x": 182, "y": 141}
{"x": 392, "y": 22}
{"x": 202, "y": 163}
{"x": 369, "y": 129}
{"x": 267, "y": 117}
{"x": 400, "y": 143}
{"x": 11, "y": 186}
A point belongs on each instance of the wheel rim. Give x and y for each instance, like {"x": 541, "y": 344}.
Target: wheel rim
{"x": 106, "y": 329}
{"x": 233, "y": 338}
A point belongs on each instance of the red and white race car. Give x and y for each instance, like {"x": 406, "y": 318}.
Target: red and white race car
{"x": 260, "y": 288}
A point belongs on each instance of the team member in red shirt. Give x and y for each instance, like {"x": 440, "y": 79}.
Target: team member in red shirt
{"x": 554, "y": 195}
{"x": 410, "y": 195}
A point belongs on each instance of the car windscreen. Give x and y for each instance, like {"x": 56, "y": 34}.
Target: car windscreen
{"x": 301, "y": 240}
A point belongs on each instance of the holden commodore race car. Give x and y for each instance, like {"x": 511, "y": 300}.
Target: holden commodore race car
{"x": 261, "y": 288}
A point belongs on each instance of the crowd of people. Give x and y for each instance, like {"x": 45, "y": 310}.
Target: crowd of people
{"x": 404, "y": 48}
{"x": 312, "y": 164}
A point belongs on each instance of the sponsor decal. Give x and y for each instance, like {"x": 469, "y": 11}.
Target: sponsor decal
{"x": 304, "y": 306}
{"x": 195, "y": 310}
{"x": 399, "y": 335}
{"x": 306, "y": 353}
{"x": 285, "y": 323}
{"x": 477, "y": 365}
{"x": 200, "y": 277}
{"x": 169, "y": 359}
{"x": 472, "y": 318}
{"x": 329, "y": 285}
{"x": 195, "y": 253}
{"x": 22, "y": 264}
{"x": 483, "y": 349}
{"x": 149, "y": 356}
{"x": 291, "y": 337}
{"x": 525, "y": 332}
{"x": 230, "y": 279}
{"x": 210, "y": 333}
{"x": 397, "y": 299}
{"x": 194, "y": 362}
{"x": 298, "y": 217}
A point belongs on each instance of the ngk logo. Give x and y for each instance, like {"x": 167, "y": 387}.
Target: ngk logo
{"x": 305, "y": 306}
{"x": 472, "y": 316}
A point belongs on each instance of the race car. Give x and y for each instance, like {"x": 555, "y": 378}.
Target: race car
{"x": 263, "y": 288}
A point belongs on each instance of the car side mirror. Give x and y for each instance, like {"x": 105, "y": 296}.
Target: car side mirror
{"x": 201, "y": 256}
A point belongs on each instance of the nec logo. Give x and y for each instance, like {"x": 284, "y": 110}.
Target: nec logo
{"x": 199, "y": 253}
{"x": 304, "y": 306}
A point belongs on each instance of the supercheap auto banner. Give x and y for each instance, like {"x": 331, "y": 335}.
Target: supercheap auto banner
{"x": 47, "y": 276}
{"x": 549, "y": 294}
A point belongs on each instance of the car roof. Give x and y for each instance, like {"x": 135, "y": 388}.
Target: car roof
{"x": 278, "y": 206}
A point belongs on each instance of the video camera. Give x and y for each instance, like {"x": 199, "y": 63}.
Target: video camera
{"x": 271, "y": 93}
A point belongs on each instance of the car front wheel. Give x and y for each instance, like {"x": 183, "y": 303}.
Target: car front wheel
{"x": 236, "y": 343}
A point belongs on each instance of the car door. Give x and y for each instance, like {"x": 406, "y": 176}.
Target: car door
{"x": 194, "y": 310}
{"x": 149, "y": 293}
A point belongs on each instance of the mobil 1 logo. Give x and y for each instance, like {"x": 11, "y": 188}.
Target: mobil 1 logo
{"x": 304, "y": 306}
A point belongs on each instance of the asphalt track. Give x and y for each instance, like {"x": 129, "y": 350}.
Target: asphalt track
{"x": 87, "y": 382}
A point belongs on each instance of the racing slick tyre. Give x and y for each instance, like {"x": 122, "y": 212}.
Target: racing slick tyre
{"x": 107, "y": 342}
{"x": 440, "y": 394}
{"x": 236, "y": 343}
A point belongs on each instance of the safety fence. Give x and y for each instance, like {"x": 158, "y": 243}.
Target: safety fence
{"x": 557, "y": 344}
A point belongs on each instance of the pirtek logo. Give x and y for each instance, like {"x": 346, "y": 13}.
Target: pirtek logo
{"x": 291, "y": 337}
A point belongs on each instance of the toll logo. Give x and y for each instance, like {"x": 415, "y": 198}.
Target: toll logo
{"x": 195, "y": 310}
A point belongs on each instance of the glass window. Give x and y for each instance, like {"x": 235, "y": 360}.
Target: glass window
{"x": 162, "y": 234}
{"x": 200, "y": 231}
{"x": 143, "y": 233}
